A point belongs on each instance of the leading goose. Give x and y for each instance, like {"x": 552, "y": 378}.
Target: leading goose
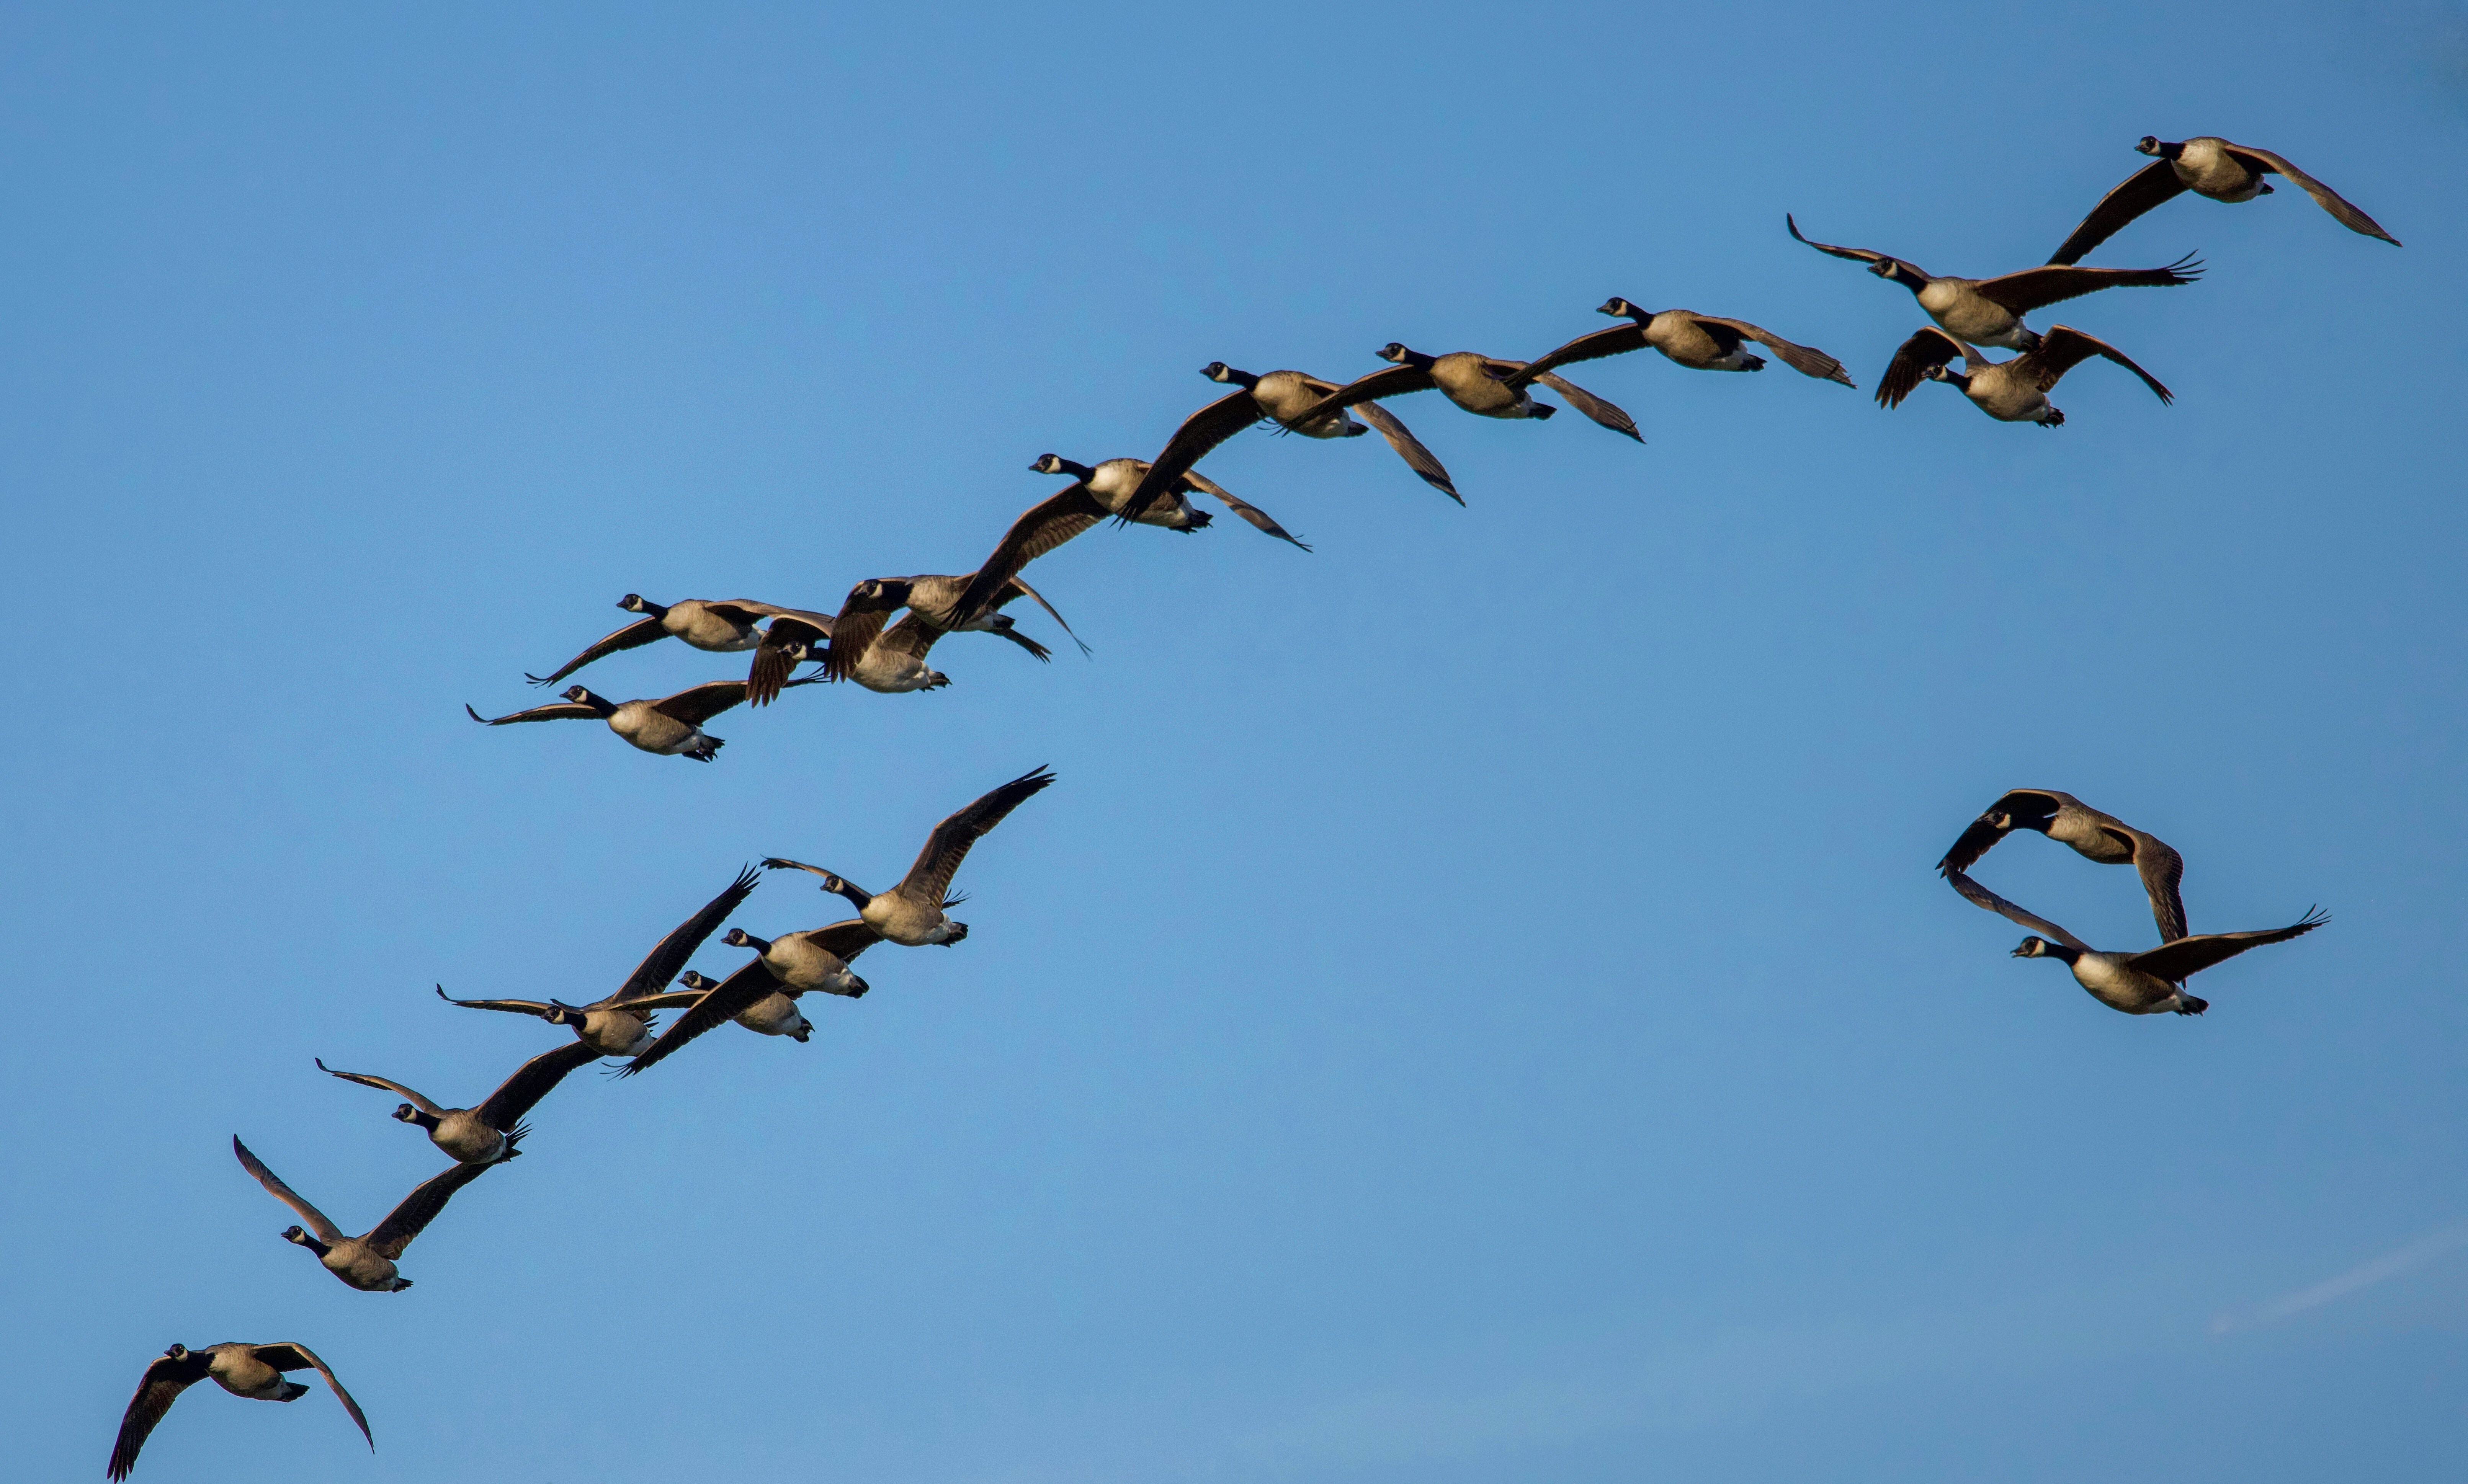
{"x": 1699, "y": 342}
{"x": 2093, "y": 836}
{"x": 763, "y": 994}
{"x": 1281, "y": 398}
{"x": 2139, "y": 984}
{"x": 2206, "y": 164}
{"x": 2010, "y": 391}
{"x": 1484, "y": 385}
{"x": 488, "y": 1132}
{"x": 366, "y": 1263}
{"x": 912, "y": 913}
{"x": 620, "y": 1025}
{"x": 719, "y": 625}
{"x": 245, "y": 1370}
{"x": 671, "y": 726}
{"x": 852, "y": 646}
{"x": 1990, "y": 310}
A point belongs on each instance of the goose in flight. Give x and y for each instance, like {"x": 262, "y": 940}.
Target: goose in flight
{"x": 671, "y": 726}
{"x": 366, "y": 1263}
{"x": 2092, "y": 835}
{"x": 763, "y": 994}
{"x": 2207, "y": 165}
{"x": 1699, "y": 342}
{"x": 1990, "y": 310}
{"x": 488, "y": 1132}
{"x": 2139, "y": 984}
{"x": 1484, "y": 385}
{"x": 2010, "y": 391}
{"x": 245, "y": 1370}
{"x": 620, "y": 1025}
{"x": 912, "y": 913}
{"x": 1280, "y": 396}
{"x": 719, "y": 625}
{"x": 852, "y": 646}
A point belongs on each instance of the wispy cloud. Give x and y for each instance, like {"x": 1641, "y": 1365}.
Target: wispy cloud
{"x": 2365, "y": 1275}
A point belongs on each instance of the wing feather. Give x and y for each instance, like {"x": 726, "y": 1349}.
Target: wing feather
{"x": 1410, "y": 449}
{"x": 531, "y": 1080}
{"x": 929, "y": 879}
{"x": 1594, "y": 345}
{"x": 2063, "y": 347}
{"x": 2175, "y": 961}
{"x": 1259, "y": 519}
{"x": 1926, "y": 350}
{"x": 1200, "y": 432}
{"x": 670, "y": 954}
{"x": 293, "y": 1356}
{"x": 156, "y": 1390}
{"x": 633, "y": 636}
{"x": 412, "y": 1216}
{"x": 365, "y": 1079}
{"x": 697, "y": 704}
{"x": 2342, "y": 210}
{"x": 1807, "y": 360}
{"x": 1982, "y": 897}
{"x": 327, "y": 1231}
{"x": 2149, "y": 187}
{"x": 716, "y": 1006}
{"x": 556, "y": 711}
{"x": 1371, "y": 386}
{"x": 1039, "y": 529}
{"x": 1602, "y": 410}
{"x": 2034, "y": 289}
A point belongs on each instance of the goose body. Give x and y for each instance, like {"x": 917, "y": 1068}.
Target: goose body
{"x": 245, "y": 1370}
{"x": 490, "y": 1131}
{"x": 915, "y": 913}
{"x": 1291, "y": 401}
{"x": 2010, "y": 391}
{"x": 365, "y": 1261}
{"x": 718, "y": 626}
{"x": 671, "y": 726}
{"x": 1484, "y": 385}
{"x": 2208, "y": 166}
{"x": 1685, "y": 337}
{"x": 2148, "y": 983}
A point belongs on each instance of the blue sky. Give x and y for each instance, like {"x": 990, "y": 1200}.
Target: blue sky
{"x": 1476, "y": 1005}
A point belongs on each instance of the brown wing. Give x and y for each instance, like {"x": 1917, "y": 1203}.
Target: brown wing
{"x": 1259, "y": 519}
{"x": 930, "y": 877}
{"x": 718, "y": 1005}
{"x": 670, "y": 954}
{"x": 633, "y": 636}
{"x": 2063, "y": 347}
{"x": 860, "y": 620}
{"x": 1040, "y": 528}
{"x": 417, "y": 1209}
{"x": 2173, "y": 961}
{"x": 2341, "y": 211}
{"x": 1985, "y": 831}
{"x": 1594, "y": 345}
{"x": 1410, "y": 449}
{"x": 786, "y": 643}
{"x": 156, "y": 1390}
{"x": 1926, "y": 350}
{"x": 1019, "y": 587}
{"x": 1203, "y": 430}
{"x": 1807, "y": 360}
{"x": 560, "y": 711}
{"x": 1606, "y": 413}
{"x": 912, "y": 636}
{"x": 1389, "y": 381}
{"x": 520, "y": 1006}
{"x": 693, "y": 707}
{"x": 2146, "y": 188}
{"x": 2034, "y": 289}
{"x": 530, "y": 1083}
{"x": 293, "y": 1355}
{"x": 366, "y": 1079}
{"x": 1855, "y": 254}
{"x": 315, "y": 1219}
{"x": 2162, "y": 869}
{"x": 1982, "y": 897}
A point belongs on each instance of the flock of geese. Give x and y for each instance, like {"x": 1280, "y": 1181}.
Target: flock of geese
{"x": 860, "y": 644}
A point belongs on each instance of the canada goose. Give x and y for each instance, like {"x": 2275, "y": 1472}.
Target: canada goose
{"x": 2207, "y": 165}
{"x": 245, "y": 1370}
{"x": 851, "y": 646}
{"x": 621, "y": 1024}
{"x": 2093, "y": 836}
{"x": 1095, "y": 494}
{"x": 912, "y": 913}
{"x": 1483, "y": 386}
{"x": 2139, "y": 984}
{"x": 2010, "y": 391}
{"x": 1699, "y": 342}
{"x": 1990, "y": 310}
{"x": 719, "y": 625}
{"x": 763, "y": 994}
{"x": 487, "y": 1133}
{"x": 365, "y": 1263}
{"x": 1279, "y": 397}
{"x": 671, "y": 725}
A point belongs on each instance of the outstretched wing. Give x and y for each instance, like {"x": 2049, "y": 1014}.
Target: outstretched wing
{"x": 670, "y": 954}
{"x": 2033, "y": 288}
{"x": 2173, "y": 961}
{"x": 327, "y": 1231}
{"x": 1594, "y": 345}
{"x": 399, "y": 1090}
{"x": 1606, "y": 413}
{"x": 1855, "y": 254}
{"x": 530, "y": 1083}
{"x": 1259, "y": 519}
{"x": 1991, "y": 826}
{"x": 860, "y": 620}
{"x": 1924, "y": 351}
{"x": 557, "y": 710}
{"x": 786, "y": 643}
{"x": 718, "y": 1005}
{"x": 929, "y": 879}
{"x": 420, "y": 1207}
{"x": 156, "y": 1390}
{"x": 1387, "y": 381}
{"x": 912, "y": 636}
{"x": 2063, "y": 347}
{"x": 2146, "y": 188}
{"x": 702, "y": 702}
{"x": 293, "y": 1355}
{"x": 520, "y": 1006}
{"x": 2162, "y": 869}
{"x": 1038, "y": 598}
{"x": 1980, "y": 896}
{"x": 1807, "y": 360}
{"x": 1200, "y": 432}
{"x": 2339, "y": 206}
{"x": 633, "y": 636}
{"x": 1410, "y": 449}
{"x": 1039, "y": 529}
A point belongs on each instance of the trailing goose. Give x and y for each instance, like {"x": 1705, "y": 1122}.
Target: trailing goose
{"x": 488, "y": 1132}
{"x": 721, "y": 626}
{"x": 852, "y": 646}
{"x": 912, "y": 913}
{"x": 2206, "y": 164}
{"x": 2010, "y": 391}
{"x": 2093, "y": 836}
{"x": 2139, "y": 984}
{"x": 1095, "y": 492}
{"x": 366, "y": 1263}
{"x": 1484, "y": 385}
{"x": 1990, "y": 310}
{"x": 1699, "y": 342}
{"x": 245, "y": 1370}
{"x": 621, "y": 1024}
{"x": 763, "y": 994}
{"x": 671, "y": 726}
{"x": 1281, "y": 398}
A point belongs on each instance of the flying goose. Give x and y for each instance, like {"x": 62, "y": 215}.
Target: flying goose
{"x": 2206, "y": 164}
{"x": 621, "y": 1024}
{"x": 763, "y": 994}
{"x": 1699, "y": 342}
{"x": 245, "y": 1370}
{"x": 1990, "y": 310}
{"x": 1095, "y": 494}
{"x": 2093, "y": 836}
{"x": 721, "y": 626}
{"x": 365, "y": 1263}
{"x": 1484, "y": 385}
{"x": 1281, "y": 398}
{"x": 2010, "y": 391}
{"x": 912, "y": 913}
{"x": 2139, "y": 984}
{"x": 487, "y": 1133}
{"x": 851, "y": 644}
{"x": 671, "y": 725}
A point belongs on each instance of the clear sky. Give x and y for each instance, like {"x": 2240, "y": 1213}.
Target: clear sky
{"x": 1476, "y": 1005}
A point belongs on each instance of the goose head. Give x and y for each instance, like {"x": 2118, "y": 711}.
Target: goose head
{"x": 2037, "y": 947}
{"x": 1055, "y": 464}
{"x": 739, "y": 938}
{"x": 297, "y": 1236}
{"x": 1960, "y": 380}
{"x": 1618, "y": 306}
{"x": 842, "y": 886}
{"x": 888, "y": 592}
{"x": 2150, "y": 144}
{"x": 856, "y": 988}
{"x": 636, "y": 602}
{"x": 695, "y": 981}
{"x": 560, "y": 1013}
{"x": 405, "y": 1112}
{"x": 1219, "y": 370}
{"x": 1396, "y": 351}
{"x": 583, "y": 697}
{"x": 178, "y": 1353}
